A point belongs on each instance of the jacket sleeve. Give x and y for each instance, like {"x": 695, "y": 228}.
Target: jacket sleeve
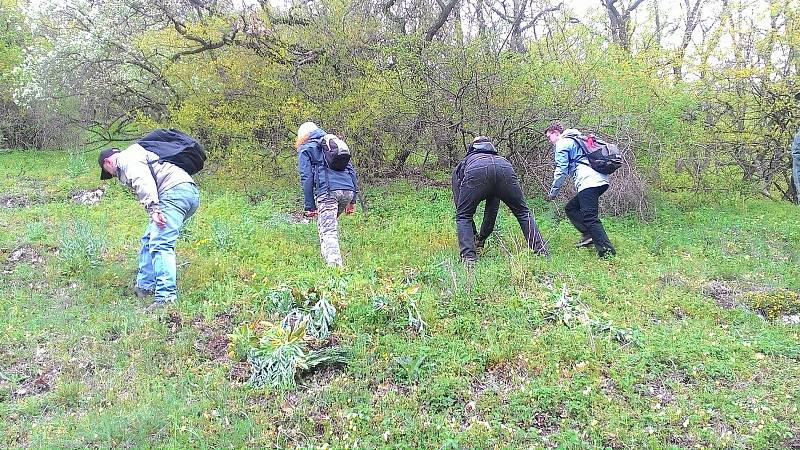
{"x": 306, "y": 171}
{"x": 140, "y": 178}
{"x": 354, "y": 177}
{"x": 562, "y": 148}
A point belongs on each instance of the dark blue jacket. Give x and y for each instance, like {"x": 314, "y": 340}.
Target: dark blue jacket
{"x": 315, "y": 177}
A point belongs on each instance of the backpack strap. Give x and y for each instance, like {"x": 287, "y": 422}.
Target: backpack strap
{"x": 583, "y": 151}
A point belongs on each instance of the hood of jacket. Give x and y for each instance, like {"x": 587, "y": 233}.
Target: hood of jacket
{"x": 316, "y": 134}
{"x": 570, "y": 132}
{"x": 482, "y": 147}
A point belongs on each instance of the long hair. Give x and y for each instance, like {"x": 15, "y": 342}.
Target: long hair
{"x": 301, "y": 139}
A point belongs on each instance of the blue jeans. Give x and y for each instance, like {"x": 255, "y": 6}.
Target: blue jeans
{"x": 157, "y": 268}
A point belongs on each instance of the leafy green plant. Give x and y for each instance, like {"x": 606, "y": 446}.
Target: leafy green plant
{"x": 221, "y": 234}
{"x": 241, "y": 341}
{"x": 76, "y": 165}
{"x": 309, "y": 305}
{"x": 569, "y": 311}
{"x": 283, "y": 354}
{"x": 81, "y": 245}
{"x": 410, "y": 369}
{"x": 774, "y": 304}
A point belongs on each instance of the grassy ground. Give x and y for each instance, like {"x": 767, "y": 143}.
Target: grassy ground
{"x": 664, "y": 348}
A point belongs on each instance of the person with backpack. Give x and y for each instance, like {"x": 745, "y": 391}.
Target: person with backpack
{"x": 329, "y": 184}
{"x": 572, "y": 158}
{"x": 485, "y": 175}
{"x": 158, "y": 169}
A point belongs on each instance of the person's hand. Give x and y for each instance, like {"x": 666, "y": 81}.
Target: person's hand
{"x": 350, "y": 208}
{"x": 311, "y": 213}
{"x": 159, "y": 219}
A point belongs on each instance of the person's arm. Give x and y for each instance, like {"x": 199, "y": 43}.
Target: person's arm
{"x": 134, "y": 167}
{"x": 306, "y": 170}
{"x": 562, "y": 147}
{"x": 796, "y": 144}
{"x": 354, "y": 177}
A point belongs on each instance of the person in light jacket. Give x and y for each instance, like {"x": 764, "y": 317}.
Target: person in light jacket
{"x": 583, "y": 209}
{"x": 170, "y": 197}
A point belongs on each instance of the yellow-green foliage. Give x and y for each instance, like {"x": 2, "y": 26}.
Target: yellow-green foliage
{"x": 774, "y": 304}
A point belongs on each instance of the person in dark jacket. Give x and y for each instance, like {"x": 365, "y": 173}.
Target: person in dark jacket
{"x": 485, "y": 175}
{"x": 326, "y": 192}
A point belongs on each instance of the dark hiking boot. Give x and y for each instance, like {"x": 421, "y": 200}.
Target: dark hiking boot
{"x": 606, "y": 253}
{"x": 585, "y": 241}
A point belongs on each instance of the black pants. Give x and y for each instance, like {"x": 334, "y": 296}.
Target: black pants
{"x": 582, "y": 211}
{"x": 491, "y": 178}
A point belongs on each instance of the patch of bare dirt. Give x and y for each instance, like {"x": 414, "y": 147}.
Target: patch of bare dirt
{"x": 503, "y": 379}
{"x": 32, "y": 377}
{"x": 14, "y": 201}
{"x": 675, "y": 279}
{"x": 682, "y": 440}
{"x": 213, "y": 341}
{"x": 22, "y": 254}
{"x": 793, "y": 442}
{"x": 88, "y": 196}
{"x": 658, "y": 387}
{"x": 723, "y": 294}
{"x": 173, "y": 321}
{"x": 240, "y": 372}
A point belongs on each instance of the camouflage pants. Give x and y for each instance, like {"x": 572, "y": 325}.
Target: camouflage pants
{"x": 329, "y": 207}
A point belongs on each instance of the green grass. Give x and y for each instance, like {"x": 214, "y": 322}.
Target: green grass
{"x": 83, "y": 365}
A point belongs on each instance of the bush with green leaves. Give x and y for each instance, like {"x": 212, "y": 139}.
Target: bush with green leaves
{"x": 310, "y": 305}
{"x": 279, "y": 353}
{"x": 81, "y": 246}
{"x": 283, "y": 353}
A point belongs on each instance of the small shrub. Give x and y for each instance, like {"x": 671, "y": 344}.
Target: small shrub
{"x": 221, "y": 234}
{"x": 774, "y": 304}
{"x": 81, "y": 246}
{"x": 283, "y": 354}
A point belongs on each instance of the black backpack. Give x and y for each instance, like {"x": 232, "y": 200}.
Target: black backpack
{"x": 335, "y": 151}
{"x": 604, "y": 157}
{"x": 175, "y": 147}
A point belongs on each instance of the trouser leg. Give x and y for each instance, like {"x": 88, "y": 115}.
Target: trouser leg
{"x": 796, "y": 174}
{"x": 327, "y": 223}
{"x": 511, "y": 194}
{"x": 489, "y": 217}
{"x": 146, "y": 277}
{"x": 573, "y": 210}
{"x": 589, "y": 200}
{"x": 177, "y": 205}
{"x": 473, "y": 191}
